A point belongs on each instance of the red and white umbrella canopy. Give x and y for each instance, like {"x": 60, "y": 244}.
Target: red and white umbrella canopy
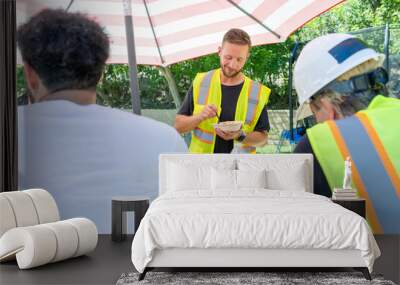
{"x": 169, "y": 31}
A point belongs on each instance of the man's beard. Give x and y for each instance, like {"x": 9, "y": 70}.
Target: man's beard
{"x": 230, "y": 75}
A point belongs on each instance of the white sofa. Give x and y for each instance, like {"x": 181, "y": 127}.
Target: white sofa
{"x": 31, "y": 231}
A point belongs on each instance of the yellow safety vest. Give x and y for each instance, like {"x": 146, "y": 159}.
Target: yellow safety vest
{"x": 207, "y": 90}
{"x": 372, "y": 139}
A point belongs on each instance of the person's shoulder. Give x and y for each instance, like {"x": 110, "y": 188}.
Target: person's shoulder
{"x": 265, "y": 88}
{"x": 204, "y": 73}
{"x": 130, "y": 117}
{"x": 156, "y": 135}
{"x": 52, "y": 107}
{"x": 108, "y": 117}
{"x": 145, "y": 125}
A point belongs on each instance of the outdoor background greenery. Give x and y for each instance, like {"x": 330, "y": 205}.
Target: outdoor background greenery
{"x": 267, "y": 64}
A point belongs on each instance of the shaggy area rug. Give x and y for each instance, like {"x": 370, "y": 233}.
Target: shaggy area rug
{"x": 243, "y": 278}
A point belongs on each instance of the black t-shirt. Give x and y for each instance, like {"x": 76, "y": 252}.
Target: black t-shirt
{"x": 321, "y": 185}
{"x": 230, "y": 95}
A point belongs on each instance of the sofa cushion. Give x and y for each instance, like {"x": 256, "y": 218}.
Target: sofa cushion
{"x": 23, "y": 208}
{"x": 87, "y": 233}
{"x": 40, "y": 244}
{"x": 27, "y": 208}
{"x": 45, "y": 205}
{"x": 7, "y": 215}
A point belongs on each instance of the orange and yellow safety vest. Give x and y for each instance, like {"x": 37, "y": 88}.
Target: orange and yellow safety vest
{"x": 372, "y": 139}
{"x": 207, "y": 90}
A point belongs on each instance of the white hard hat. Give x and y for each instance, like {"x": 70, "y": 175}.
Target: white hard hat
{"x": 326, "y": 58}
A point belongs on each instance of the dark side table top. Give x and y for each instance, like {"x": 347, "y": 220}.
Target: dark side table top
{"x": 130, "y": 198}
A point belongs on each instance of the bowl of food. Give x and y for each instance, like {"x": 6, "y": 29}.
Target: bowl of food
{"x": 229, "y": 126}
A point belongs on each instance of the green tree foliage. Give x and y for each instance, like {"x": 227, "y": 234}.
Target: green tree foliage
{"x": 22, "y": 89}
{"x": 114, "y": 88}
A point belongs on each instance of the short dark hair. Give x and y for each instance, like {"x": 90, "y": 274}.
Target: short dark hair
{"x": 67, "y": 50}
{"x": 237, "y": 36}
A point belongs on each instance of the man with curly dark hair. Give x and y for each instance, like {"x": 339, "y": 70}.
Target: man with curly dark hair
{"x": 63, "y": 52}
{"x": 81, "y": 152}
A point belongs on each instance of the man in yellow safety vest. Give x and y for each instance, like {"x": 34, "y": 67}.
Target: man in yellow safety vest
{"x": 226, "y": 94}
{"x": 340, "y": 80}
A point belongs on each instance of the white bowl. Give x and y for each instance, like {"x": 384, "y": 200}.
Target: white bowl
{"x": 229, "y": 126}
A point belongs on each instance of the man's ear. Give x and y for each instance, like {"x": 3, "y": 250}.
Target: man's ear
{"x": 219, "y": 51}
{"x": 329, "y": 109}
{"x": 31, "y": 77}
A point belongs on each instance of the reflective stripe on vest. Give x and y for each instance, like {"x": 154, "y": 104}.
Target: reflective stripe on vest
{"x": 205, "y": 88}
{"x": 384, "y": 156}
{"x": 204, "y": 136}
{"x": 253, "y": 98}
{"x": 343, "y": 154}
{"x": 370, "y": 166}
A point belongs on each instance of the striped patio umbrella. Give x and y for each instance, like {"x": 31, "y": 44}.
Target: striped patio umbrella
{"x": 163, "y": 32}
{"x": 169, "y": 31}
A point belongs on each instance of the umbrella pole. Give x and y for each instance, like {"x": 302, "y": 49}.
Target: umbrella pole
{"x": 164, "y": 69}
{"x": 292, "y": 59}
{"x": 172, "y": 85}
{"x": 130, "y": 40}
{"x": 386, "y": 48}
